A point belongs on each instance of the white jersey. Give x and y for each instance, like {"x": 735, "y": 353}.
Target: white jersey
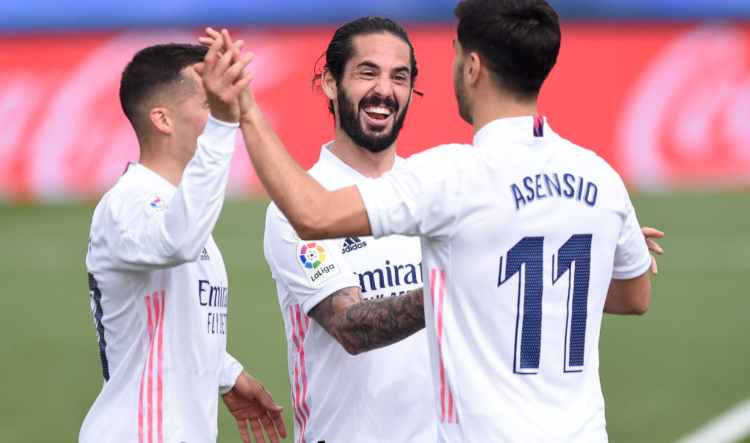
{"x": 521, "y": 235}
{"x": 384, "y": 395}
{"x": 159, "y": 295}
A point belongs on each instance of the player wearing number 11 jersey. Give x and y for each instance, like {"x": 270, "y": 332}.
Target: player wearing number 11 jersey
{"x": 526, "y": 239}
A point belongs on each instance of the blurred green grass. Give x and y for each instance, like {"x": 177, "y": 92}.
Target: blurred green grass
{"x": 663, "y": 374}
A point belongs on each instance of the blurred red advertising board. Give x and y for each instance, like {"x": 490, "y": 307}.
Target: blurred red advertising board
{"x": 666, "y": 105}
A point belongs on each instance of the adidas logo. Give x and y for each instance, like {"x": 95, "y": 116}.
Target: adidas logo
{"x": 352, "y": 244}
{"x": 204, "y": 255}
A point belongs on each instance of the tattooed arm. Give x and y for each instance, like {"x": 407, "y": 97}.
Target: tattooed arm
{"x": 362, "y": 325}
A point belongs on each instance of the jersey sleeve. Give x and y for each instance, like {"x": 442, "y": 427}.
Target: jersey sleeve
{"x": 632, "y": 258}
{"x": 146, "y": 234}
{"x": 311, "y": 270}
{"x": 230, "y": 370}
{"x": 422, "y": 197}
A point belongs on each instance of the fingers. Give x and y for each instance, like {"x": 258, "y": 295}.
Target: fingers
{"x": 274, "y": 412}
{"x": 242, "y": 84}
{"x": 654, "y": 247}
{"x": 237, "y": 69}
{"x": 654, "y": 267}
{"x": 212, "y": 56}
{"x": 651, "y": 232}
{"x": 242, "y": 426}
{"x": 205, "y": 41}
{"x": 278, "y": 422}
{"x": 257, "y": 430}
{"x": 270, "y": 430}
{"x": 265, "y": 399}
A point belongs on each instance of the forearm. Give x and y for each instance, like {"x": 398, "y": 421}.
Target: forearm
{"x": 313, "y": 211}
{"x": 161, "y": 232}
{"x": 629, "y": 297}
{"x": 373, "y": 324}
{"x": 196, "y": 205}
{"x": 362, "y": 325}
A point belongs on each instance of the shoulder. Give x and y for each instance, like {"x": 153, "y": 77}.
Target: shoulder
{"x": 134, "y": 194}
{"x": 608, "y": 181}
{"x": 589, "y": 159}
{"x": 443, "y": 156}
{"x": 277, "y": 226}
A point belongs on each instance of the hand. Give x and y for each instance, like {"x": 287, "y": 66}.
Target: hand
{"x": 247, "y": 100}
{"x": 649, "y": 234}
{"x": 249, "y": 402}
{"x": 224, "y": 76}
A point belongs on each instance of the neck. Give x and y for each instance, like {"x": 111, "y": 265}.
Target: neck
{"x": 163, "y": 161}
{"x": 495, "y": 105}
{"x": 369, "y": 164}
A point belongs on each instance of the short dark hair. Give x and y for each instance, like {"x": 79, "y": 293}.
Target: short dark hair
{"x": 519, "y": 40}
{"x": 150, "y": 70}
{"x": 341, "y": 49}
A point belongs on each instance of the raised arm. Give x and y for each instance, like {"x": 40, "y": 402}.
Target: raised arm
{"x": 313, "y": 211}
{"x": 151, "y": 231}
{"x": 362, "y": 325}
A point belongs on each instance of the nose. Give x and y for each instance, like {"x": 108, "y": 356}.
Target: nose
{"x": 384, "y": 86}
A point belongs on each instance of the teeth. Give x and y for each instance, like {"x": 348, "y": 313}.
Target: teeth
{"x": 378, "y": 110}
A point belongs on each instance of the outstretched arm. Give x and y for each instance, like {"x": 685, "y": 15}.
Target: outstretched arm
{"x": 362, "y": 325}
{"x": 313, "y": 211}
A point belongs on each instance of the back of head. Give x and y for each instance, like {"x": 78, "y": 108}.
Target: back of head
{"x": 340, "y": 49}
{"x": 518, "y": 40}
{"x": 154, "y": 70}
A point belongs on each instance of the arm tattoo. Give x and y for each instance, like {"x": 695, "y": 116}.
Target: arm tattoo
{"x": 362, "y": 325}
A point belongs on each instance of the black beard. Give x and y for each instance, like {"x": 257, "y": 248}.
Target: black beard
{"x": 348, "y": 118}
{"x": 464, "y": 110}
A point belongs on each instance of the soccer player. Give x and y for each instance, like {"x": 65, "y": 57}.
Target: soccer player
{"x": 526, "y": 238}
{"x": 361, "y": 293}
{"x": 158, "y": 286}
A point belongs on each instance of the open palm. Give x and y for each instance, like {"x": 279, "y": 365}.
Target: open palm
{"x": 250, "y": 403}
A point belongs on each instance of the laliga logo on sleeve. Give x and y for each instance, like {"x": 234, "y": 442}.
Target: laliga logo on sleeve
{"x": 312, "y": 255}
{"x": 316, "y": 264}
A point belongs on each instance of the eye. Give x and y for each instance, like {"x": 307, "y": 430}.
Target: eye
{"x": 367, "y": 74}
{"x": 401, "y": 78}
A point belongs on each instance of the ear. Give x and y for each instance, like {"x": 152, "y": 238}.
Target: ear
{"x": 328, "y": 84}
{"x": 472, "y": 68}
{"x": 161, "y": 120}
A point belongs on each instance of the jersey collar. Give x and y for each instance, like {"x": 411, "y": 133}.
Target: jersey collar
{"x": 528, "y": 129}
{"x": 329, "y": 158}
{"x": 144, "y": 171}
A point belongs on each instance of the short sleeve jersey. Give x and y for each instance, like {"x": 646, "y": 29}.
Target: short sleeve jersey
{"x": 380, "y": 395}
{"x": 521, "y": 235}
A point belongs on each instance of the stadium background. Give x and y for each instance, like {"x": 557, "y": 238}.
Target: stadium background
{"x": 661, "y": 89}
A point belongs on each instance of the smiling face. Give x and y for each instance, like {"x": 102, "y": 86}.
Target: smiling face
{"x": 375, "y": 91}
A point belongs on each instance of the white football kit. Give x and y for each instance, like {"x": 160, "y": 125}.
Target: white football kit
{"x": 384, "y": 395}
{"x": 159, "y": 295}
{"x": 521, "y": 235}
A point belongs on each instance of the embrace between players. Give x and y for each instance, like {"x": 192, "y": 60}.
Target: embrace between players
{"x": 477, "y": 318}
